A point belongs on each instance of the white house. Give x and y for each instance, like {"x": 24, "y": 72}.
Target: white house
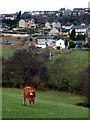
{"x": 60, "y": 44}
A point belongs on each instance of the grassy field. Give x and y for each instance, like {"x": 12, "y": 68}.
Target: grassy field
{"x": 77, "y": 61}
{"x": 74, "y": 56}
{"x": 6, "y": 53}
{"x": 48, "y": 104}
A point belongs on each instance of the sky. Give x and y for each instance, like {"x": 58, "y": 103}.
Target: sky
{"x": 13, "y": 6}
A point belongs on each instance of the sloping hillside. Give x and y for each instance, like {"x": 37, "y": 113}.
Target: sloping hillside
{"x": 48, "y": 104}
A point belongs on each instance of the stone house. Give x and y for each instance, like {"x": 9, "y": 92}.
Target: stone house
{"x": 52, "y": 25}
{"x": 54, "y": 31}
{"x": 48, "y": 25}
{"x": 27, "y": 23}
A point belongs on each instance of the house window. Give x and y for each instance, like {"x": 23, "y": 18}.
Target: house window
{"x": 60, "y": 43}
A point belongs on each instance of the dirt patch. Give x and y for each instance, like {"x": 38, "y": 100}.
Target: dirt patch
{"x": 17, "y": 43}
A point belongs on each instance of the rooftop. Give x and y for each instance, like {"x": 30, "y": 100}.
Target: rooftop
{"x": 46, "y": 37}
{"x": 79, "y": 27}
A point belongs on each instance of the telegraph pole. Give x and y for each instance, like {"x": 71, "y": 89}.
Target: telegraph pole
{"x": 50, "y": 52}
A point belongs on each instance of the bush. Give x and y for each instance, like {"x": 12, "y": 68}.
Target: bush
{"x": 87, "y": 45}
{"x": 80, "y": 37}
{"x": 58, "y": 75}
{"x": 72, "y": 44}
{"x": 85, "y": 75}
{"x": 24, "y": 68}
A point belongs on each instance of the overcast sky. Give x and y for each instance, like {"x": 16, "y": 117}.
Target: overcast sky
{"x": 12, "y": 6}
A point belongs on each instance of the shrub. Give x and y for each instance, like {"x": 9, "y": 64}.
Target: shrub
{"x": 58, "y": 74}
{"x": 85, "y": 75}
{"x": 87, "y": 45}
{"x": 24, "y": 68}
{"x": 72, "y": 44}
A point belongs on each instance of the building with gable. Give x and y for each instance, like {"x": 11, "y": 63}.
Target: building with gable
{"x": 27, "y": 23}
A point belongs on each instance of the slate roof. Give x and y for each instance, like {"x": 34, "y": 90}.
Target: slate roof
{"x": 79, "y": 27}
{"x": 65, "y": 30}
{"x": 68, "y": 25}
{"x": 58, "y": 28}
{"x": 46, "y": 37}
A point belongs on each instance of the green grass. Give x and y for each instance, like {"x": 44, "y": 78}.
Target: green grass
{"x": 75, "y": 56}
{"x": 0, "y": 103}
{"x": 48, "y": 104}
{"x": 6, "y": 53}
{"x": 75, "y": 62}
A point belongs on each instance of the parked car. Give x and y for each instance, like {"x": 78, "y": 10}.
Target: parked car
{"x": 7, "y": 43}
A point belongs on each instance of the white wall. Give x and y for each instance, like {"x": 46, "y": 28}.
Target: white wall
{"x": 41, "y": 46}
{"x": 60, "y": 43}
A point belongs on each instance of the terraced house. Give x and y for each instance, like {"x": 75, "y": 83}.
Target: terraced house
{"x": 27, "y": 23}
{"x": 52, "y": 25}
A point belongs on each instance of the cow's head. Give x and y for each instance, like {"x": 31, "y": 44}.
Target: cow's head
{"x": 31, "y": 91}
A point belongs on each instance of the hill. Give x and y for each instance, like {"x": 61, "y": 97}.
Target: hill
{"x": 48, "y": 104}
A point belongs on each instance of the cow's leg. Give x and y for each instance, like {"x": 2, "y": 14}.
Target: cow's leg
{"x": 24, "y": 100}
{"x": 33, "y": 101}
{"x": 29, "y": 102}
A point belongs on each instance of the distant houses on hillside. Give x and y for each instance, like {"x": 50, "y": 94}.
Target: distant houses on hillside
{"x": 52, "y": 25}
{"x": 27, "y": 23}
{"x": 50, "y": 41}
{"x": 60, "y": 12}
{"x": 45, "y": 41}
{"x": 54, "y": 31}
{"x": 11, "y": 16}
{"x": 80, "y": 29}
{"x": 58, "y": 29}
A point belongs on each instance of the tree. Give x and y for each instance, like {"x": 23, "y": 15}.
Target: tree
{"x": 73, "y": 34}
{"x": 24, "y": 68}
{"x": 80, "y": 37}
{"x": 86, "y": 83}
{"x": 18, "y": 15}
{"x": 66, "y": 43}
{"x": 58, "y": 77}
{"x": 11, "y": 27}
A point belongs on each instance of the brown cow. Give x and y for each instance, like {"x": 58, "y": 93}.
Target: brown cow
{"x": 30, "y": 94}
